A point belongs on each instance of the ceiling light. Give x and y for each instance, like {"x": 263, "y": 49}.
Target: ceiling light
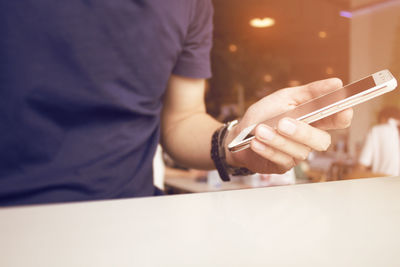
{"x": 262, "y": 23}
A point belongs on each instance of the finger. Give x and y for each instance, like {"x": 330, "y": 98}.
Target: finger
{"x": 340, "y": 120}
{"x": 271, "y": 138}
{"x": 283, "y": 160}
{"x": 287, "y": 99}
{"x": 304, "y": 93}
{"x": 305, "y": 134}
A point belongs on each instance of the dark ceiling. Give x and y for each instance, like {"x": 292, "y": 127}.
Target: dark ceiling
{"x": 290, "y": 50}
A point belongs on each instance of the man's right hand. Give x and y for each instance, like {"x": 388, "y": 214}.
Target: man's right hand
{"x": 277, "y": 151}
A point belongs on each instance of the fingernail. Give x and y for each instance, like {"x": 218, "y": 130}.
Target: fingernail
{"x": 258, "y": 145}
{"x": 265, "y": 133}
{"x": 286, "y": 126}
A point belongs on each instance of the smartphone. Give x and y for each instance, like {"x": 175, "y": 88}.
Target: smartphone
{"x": 348, "y": 96}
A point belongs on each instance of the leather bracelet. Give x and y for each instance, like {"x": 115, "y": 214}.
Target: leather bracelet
{"x": 219, "y": 157}
{"x": 216, "y": 157}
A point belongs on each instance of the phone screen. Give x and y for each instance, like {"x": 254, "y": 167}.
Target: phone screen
{"x": 325, "y": 100}
{"x": 337, "y": 95}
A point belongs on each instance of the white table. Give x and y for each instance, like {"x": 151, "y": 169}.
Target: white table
{"x": 346, "y": 223}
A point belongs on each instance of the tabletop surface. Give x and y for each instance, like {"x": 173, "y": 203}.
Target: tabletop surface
{"x": 344, "y": 223}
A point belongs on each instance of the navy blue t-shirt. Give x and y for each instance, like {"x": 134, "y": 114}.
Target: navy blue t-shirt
{"x": 81, "y": 89}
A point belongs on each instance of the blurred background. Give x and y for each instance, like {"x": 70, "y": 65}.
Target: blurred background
{"x": 261, "y": 46}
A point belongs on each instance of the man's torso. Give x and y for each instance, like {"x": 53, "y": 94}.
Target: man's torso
{"x": 80, "y": 97}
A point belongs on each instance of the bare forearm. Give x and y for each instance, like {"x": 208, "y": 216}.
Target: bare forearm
{"x": 186, "y": 128}
{"x": 189, "y": 140}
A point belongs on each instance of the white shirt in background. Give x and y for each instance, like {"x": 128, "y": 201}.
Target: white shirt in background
{"x": 381, "y": 150}
{"x": 158, "y": 169}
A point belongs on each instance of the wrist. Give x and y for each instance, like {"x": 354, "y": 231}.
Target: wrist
{"x": 222, "y": 157}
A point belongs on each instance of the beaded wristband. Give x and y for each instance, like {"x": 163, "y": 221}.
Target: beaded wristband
{"x": 219, "y": 157}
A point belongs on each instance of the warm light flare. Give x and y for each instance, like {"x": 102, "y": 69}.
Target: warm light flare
{"x": 329, "y": 70}
{"x": 268, "y": 78}
{"x": 233, "y": 48}
{"x": 322, "y": 34}
{"x": 262, "y": 23}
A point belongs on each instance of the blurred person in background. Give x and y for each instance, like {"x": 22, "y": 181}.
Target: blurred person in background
{"x": 381, "y": 150}
{"x": 88, "y": 88}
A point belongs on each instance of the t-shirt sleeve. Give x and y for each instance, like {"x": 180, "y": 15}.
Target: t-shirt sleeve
{"x": 367, "y": 151}
{"x": 194, "y": 60}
